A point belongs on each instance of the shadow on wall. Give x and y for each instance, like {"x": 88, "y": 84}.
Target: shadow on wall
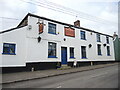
{"x": 47, "y": 66}
{"x": 116, "y": 47}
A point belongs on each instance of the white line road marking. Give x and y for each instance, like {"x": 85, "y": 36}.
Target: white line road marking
{"x": 59, "y": 87}
{"x": 99, "y": 75}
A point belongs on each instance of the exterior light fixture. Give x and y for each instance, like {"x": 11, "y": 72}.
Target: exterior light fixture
{"x": 104, "y": 45}
{"x": 90, "y": 33}
{"x": 39, "y": 39}
{"x": 64, "y": 39}
{"x": 29, "y": 27}
{"x": 90, "y": 45}
{"x": 40, "y": 21}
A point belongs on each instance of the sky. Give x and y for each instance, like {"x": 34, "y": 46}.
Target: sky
{"x": 97, "y": 15}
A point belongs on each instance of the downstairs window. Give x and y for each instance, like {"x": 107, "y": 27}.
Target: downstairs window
{"x": 9, "y": 49}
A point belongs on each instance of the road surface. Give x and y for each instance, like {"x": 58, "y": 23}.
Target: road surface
{"x": 99, "y": 78}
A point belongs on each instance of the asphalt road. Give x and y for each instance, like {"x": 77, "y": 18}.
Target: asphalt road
{"x": 99, "y": 78}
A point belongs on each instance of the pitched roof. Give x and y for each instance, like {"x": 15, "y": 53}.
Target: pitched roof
{"x": 33, "y": 15}
{"x": 11, "y": 29}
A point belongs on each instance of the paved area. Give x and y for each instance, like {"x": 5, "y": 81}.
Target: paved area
{"x": 106, "y": 77}
{"x": 24, "y": 76}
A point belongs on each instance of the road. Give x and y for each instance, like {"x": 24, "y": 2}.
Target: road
{"x": 99, "y": 78}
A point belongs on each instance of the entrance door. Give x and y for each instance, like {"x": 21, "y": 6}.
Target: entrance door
{"x": 63, "y": 55}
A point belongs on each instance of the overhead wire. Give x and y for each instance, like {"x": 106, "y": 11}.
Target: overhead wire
{"x": 65, "y": 10}
{"x": 43, "y": 5}
{"x": 9, "y": 18}
{"x": 60, "y": 8}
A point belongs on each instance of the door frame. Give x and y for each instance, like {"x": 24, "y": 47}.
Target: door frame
{"x": 62, "y": 59}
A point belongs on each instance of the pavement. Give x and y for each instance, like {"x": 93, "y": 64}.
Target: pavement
{"x": 106, "y": 77}
{"x": 26, "y": 76}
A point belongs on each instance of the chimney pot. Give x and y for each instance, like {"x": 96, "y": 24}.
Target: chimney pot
{"x": 114, "y": 35}
{"x": 77, "y": 23}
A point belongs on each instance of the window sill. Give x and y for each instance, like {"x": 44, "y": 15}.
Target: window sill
{"x": 84, "y": 58}
{"x": 7, "y": 54}
{"x": 52, "y": 33}
{"x": 70, "y": 36}
{"x": 99, "y": 54}
{"x": 108, "y": 55}
{"x": 52, "y": 57}
{"x": 72, "y": 58}
{"x": 84, "y": 39}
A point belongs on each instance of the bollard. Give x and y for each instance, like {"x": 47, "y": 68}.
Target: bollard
{"x": 91, "y": 63}
{"x": 32, "y": 69}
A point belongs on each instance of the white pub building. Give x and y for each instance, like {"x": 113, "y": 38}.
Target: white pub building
{"x": 40, "y": 43}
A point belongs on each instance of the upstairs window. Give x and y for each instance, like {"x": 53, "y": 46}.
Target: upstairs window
{"x": 69, "y": 32}
{"x": 83, "y": 52}
{"x": 107, "y": 39}
{"x": 99, "y": 49}
{"x": 9, "y": 49}
{"x": 108, "y": 50}
{"x": 51, "y": 28}
{"x": 98, "y": 38}
{"x": 83, "y": 36}
{"x": 71, "y": 52}
{"x": 51, "y": 50}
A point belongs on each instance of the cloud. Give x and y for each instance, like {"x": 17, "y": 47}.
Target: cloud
{"x": 106, "y": 10}
{"x": 13, "y": 9}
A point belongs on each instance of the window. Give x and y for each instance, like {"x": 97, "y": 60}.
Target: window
{"x": 69, "y": 32}
{"x": 51, "y": 50}
{"x": 107, "y": 39}
{"x": 98, "y": 38}
{"x": 83, "y": 36}
{"x": 108, "y": 50}
{"x": 9, "y": 49}
{"x": 51, "y": 28}
{"x": 83, "y": 52}
{"x": 99, "y": 49}
{"x": 71, "y": 52}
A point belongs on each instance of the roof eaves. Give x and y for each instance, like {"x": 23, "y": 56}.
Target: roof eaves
{"x": 23, "y": 19}
{"x": 10, "y": 29}
{"x": 29, "y": 14}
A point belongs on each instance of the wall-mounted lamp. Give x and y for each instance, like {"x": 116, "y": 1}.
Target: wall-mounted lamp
{"x": 64, "y": 39}
{"x": 40, "y": 21}
{"x": 29, "y": 27}
{"x": 39, "y": 39}
{"x": 90, "y": 33}
{"x": 104, "y": 44}
{"x": 90, "y": 45}
{"x": 41, "y": 25}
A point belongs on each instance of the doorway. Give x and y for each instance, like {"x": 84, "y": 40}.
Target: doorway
{"x": 63, "y": 55}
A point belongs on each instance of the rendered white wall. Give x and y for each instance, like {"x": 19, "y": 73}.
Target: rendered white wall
{"x": 0, "y": 50}
{"x": 17, "y": 37}
{"x": 28, "y": 49}
{"x": 38, "y": 52}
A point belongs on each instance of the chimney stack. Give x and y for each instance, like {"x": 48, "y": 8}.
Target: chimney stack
{"x": 114, "y": 35}
{"x": 77, "y": 23}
